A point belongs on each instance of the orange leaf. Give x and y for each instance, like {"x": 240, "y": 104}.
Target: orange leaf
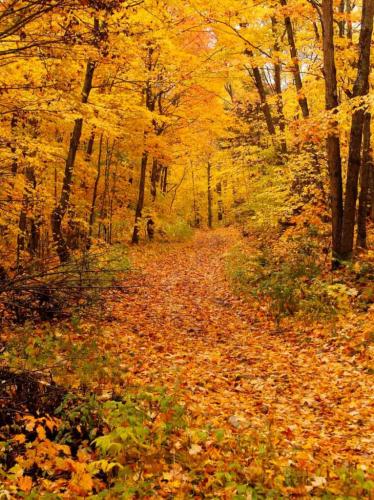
{"x": 41, "y": 432}
{"x": 25, "y": 483}
{"x": 20, "y": 438}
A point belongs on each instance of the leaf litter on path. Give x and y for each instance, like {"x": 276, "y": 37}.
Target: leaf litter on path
{"x": 182, "y": 327}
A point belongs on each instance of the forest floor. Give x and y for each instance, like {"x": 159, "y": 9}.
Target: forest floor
{"x": 268, "y": 411}
{"x": 303, "y": 390}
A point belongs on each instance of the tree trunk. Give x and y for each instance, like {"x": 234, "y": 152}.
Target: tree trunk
{"x": 195, "y": 212}
{"x": 140, "y": 203}
{"x": 342, "y": 21}
{"x": 360, "y": 89}
{"x": 303, "y": 103}
{"x": 27, "y": 202}
{"x": 333, "y": 141}
{"x": 210, "y": 201}
{"x": 164, "y": 180}
{"x": 111, "y": 205}
{"x": 13, "y": 148}
{"x": 60, "y": 210}
{"x": 90, "y": 145}
{"x": 366, "y": 168}
{"x": 155, "y": 178}
{"x": 106, "y": 193}
{"x": 62, "y": 206}
{"x": 348, "y": 10}
{"x": 94, "y": 194}
{"x": 372, "y": 194}
{"x": 278, "y": 89}
{"x": 262, "y": 94}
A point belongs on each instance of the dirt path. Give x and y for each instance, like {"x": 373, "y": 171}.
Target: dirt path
{"x": 181, "y": 326}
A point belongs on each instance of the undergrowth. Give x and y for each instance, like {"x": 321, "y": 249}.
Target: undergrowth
{"x": 178, "y": 230}
{"x": 144, "y": 444}
{"x": 292, "y": 283}
{"x": 46, "y": 290}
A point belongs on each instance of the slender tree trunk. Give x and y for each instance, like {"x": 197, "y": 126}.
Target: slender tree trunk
{"x": 164, "y": 180}
{"x": 210, "y": 198}
{"x": 94, "y": 194}
{"x": 90, "y": 145}
{"x": 366, "y": 168}
{"x": 360, "y": 89}
{"x": 348, "y": 10}
{"x": 262, "y": 94}
{"x": 111, "y": 206}
{"x": 60, "y": 210}
{"x": 282, "y": 120}
{"x": 196, "y": 218}
{"x": 62, "y": 206}
{"x": 278, "y": 89}
{"x": 150, "y": 103}
{"x": 333, "y": 141}
{"x": 372, "y": 194}
{"x": 106, "y": 194}
{"x": 342, "y": 21}
{"x": 155, "y": 178}
{"x": 301, "y": 98}
{"x": 27, "y": 203}
{"x": 140, "y": 203}
{"x": 13, "y": 148}
{"x": 316, "y": 32}
{"x": 175, "y": 189}
{"x": 303, "y": 102}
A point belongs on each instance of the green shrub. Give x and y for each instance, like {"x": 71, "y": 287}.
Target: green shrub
{"x": 291, "y": 284}
{"x": 138, "y": 428}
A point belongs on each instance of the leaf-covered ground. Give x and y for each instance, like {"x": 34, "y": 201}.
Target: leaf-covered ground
{"x": 296, "y": 400}
{"x": 194, "y": 392}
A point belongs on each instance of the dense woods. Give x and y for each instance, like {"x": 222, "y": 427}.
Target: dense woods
{"x": 186, "y": 243}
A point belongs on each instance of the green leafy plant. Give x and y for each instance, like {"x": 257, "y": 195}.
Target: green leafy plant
{"x": 291, "y": 284}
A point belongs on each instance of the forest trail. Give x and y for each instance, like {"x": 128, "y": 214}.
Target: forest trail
{"x": 180, "y": 326}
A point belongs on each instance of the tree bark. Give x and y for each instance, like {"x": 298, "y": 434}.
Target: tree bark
{"x": 90, "y": 145}
{"x": 105, "y": 201}
{"x": 348, "y": 10}
{"x": 372, "y": 194}
{"x": 303, "y": 102}
{"x": 333, "y": 140}
{"x": 342, "y": 21}
{"x": 94, "y": 194}
{"x": 278, "y": 89}
{"x": 155, "y": 177}
{"x": 195, "y": 211}
{"x": 360, "y": 89}
{"x": 111, "y": 205}
{"x": 140, "y": 203}
{"x": 263, "y": 99}
{"x": 366, "y": 168}
{"x": 210, "y": 200}
{"x": 62, "y": 206}
{"x": 27, "y": 203}
{"x": 164, "y": 180}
